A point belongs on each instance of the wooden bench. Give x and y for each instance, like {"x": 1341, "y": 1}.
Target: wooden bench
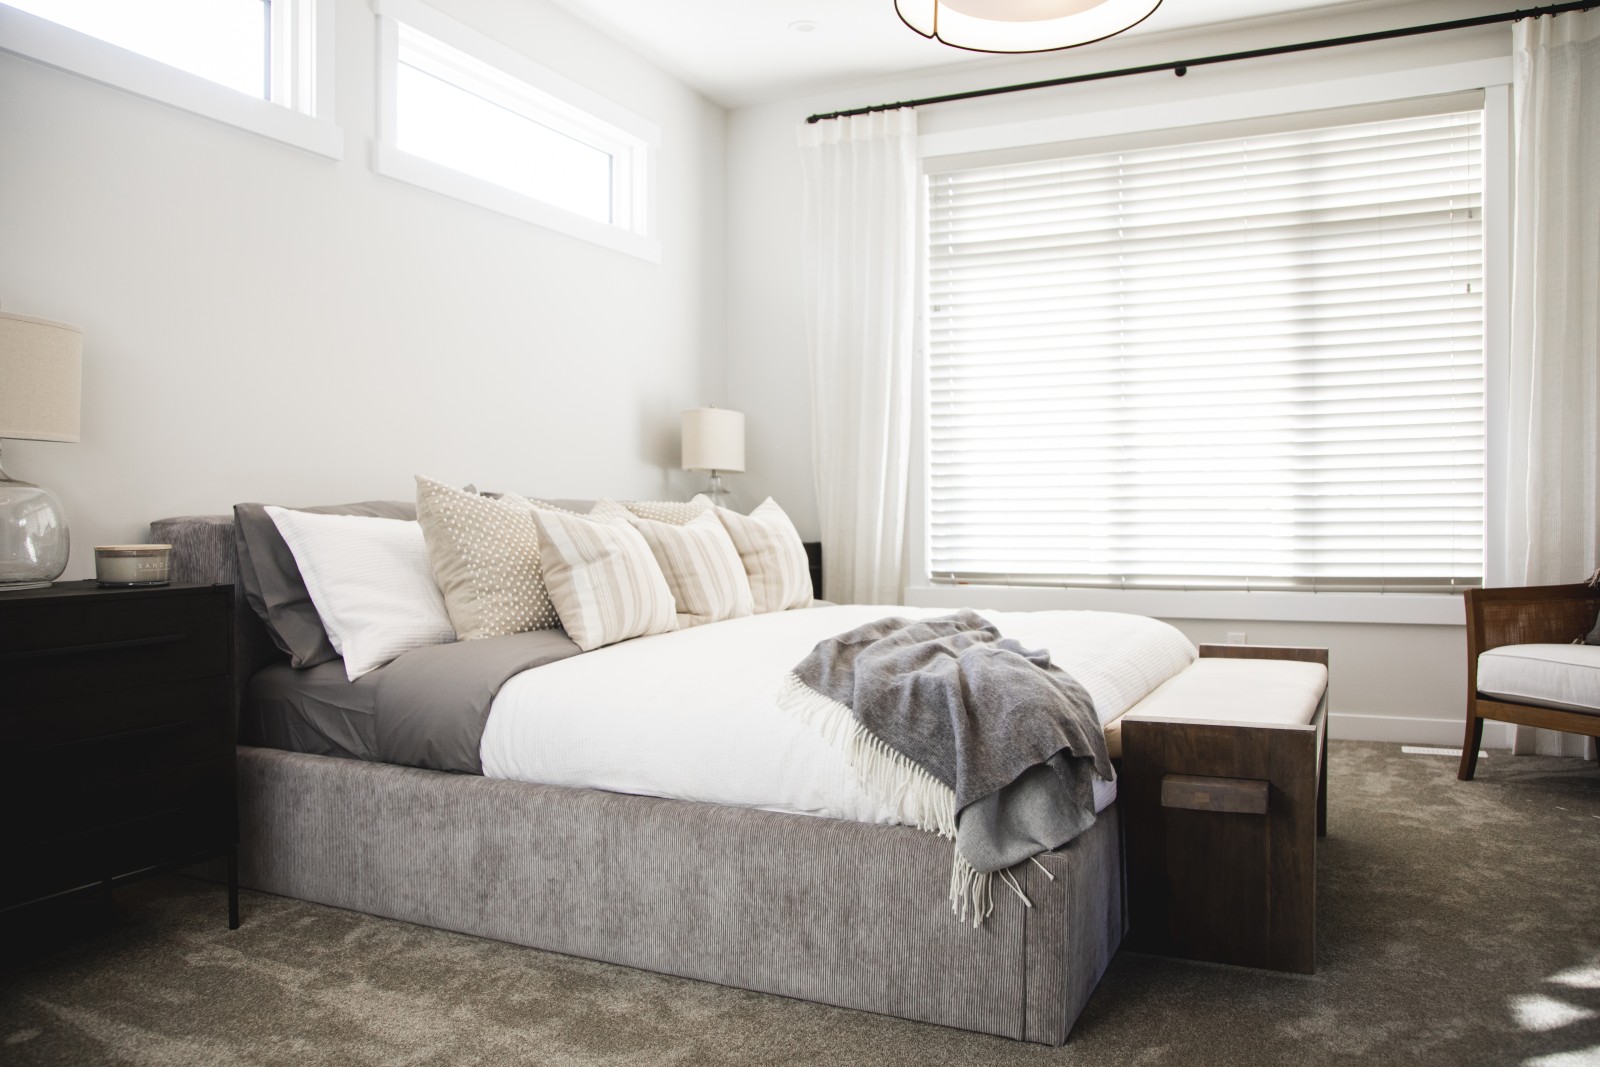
{"x": 1224, "y": 800}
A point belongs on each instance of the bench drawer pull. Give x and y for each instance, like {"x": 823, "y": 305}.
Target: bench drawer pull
{"x": 1194, "y": 792}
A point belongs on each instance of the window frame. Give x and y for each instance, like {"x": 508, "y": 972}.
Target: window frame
{"x": 996, "y": 143}
{"x": 543, "y": 96}
{"x": 300, "y": 112}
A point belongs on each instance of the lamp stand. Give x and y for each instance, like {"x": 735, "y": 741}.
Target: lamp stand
{"x": 718, "y": 493}
{"x": 34, "y": 541}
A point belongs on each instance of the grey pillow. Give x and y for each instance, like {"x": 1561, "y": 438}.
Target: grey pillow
{"x": 271, "y": 579}
{"x": 1594, "y": 634}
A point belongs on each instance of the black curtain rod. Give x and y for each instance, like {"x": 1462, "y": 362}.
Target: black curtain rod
{"x": 1181, "y": 67}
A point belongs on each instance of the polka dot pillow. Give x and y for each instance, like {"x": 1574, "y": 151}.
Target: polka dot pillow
{"x": 485, "y": 558}
{"x": 673, "y": 512}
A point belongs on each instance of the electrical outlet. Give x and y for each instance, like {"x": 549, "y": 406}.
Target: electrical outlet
{"x": 1236, "y": 637}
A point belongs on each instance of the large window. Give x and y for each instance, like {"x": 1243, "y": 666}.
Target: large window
{"x": 1254, "y": 362}
{"x": 463, "y": 115}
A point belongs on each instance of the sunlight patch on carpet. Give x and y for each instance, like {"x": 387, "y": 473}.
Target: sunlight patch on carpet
{"x": 1537, "y": 1012}
{"x": 1587, "y": 977}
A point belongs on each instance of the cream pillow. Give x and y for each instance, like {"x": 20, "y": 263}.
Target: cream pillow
{"x": 485, "y": 557}
{"x": 676, "y": 512}
{"x": 603, "y": 579}
{"x": 698, "y": 559}
{"x": 773, "y": 555}
{"x": 370, "y": 582}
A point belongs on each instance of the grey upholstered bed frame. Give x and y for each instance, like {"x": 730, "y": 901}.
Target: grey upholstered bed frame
{"x": 837, "y": 912}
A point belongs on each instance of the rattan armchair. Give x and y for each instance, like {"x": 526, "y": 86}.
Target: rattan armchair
{"x": 1540, "y": 614}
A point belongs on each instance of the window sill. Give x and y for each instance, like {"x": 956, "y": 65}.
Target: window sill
{"x": 65, "y": 49}
{"x": 1417, "y": 609}
{"x": 425, "y": 174}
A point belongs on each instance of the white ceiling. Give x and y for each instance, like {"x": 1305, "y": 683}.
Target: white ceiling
{"x": 740, "y": 52}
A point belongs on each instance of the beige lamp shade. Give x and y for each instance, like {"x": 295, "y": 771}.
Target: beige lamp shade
{"x": 713, "y": 440}
{"x": 41, "y": 370}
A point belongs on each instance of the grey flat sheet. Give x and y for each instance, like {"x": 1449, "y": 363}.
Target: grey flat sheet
{"x": 434, "y": 701}
{"x": 316, "y": 710}
{"x": 426, "y": 709}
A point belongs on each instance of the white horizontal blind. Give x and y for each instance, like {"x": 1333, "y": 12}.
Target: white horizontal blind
{"x": 1251, "y": 363}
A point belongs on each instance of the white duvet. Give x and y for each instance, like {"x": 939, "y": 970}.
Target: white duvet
{"x": 693, "y": 714}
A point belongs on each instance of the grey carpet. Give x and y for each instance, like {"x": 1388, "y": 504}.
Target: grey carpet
{"x": 1459, "y": 923}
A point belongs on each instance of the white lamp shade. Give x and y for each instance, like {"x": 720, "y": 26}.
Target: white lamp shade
{"x": 41, "y": 371}
{"x": 713, "y": 440}
{"x": 1022, "y": 25}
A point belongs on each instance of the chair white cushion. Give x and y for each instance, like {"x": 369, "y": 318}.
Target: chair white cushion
{"x": 1550, "y": 676}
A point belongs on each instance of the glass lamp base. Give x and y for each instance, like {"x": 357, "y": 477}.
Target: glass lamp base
{"x": 718, "y": 493}
{"x": 34, "y": 542}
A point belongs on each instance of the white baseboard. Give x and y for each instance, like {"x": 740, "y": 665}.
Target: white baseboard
{"x": 1410, "y": 730}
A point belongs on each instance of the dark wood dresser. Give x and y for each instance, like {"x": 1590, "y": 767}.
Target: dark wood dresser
{"x": 116, "y": 735}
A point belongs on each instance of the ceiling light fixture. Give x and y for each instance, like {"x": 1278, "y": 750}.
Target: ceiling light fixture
{"x": 1022, "y": 25}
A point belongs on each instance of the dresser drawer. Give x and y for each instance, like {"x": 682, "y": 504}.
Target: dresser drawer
{"x": 67, "y": 648}
{"x": 198, "y": 703}
{"x": 85, "y": 858}
{"x": 68, "y": 804}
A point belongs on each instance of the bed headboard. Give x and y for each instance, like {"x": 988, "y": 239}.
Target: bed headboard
{"x": 203, "y": 551}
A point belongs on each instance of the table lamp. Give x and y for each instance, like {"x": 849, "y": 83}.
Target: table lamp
{"x": 41, "y": 366}
{"x": 713, "y": 440}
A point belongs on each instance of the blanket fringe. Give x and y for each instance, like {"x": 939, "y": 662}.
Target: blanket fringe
{"x": 888, "y": 776}
{"x": 971, "y": 891}
{"x": 898, "y": 782}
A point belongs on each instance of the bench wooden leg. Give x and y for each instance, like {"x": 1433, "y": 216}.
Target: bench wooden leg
{"x": 1469, "y": 746}
{"x": 1322, "y": 781}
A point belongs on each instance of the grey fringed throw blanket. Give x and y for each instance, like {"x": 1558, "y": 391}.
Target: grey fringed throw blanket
{"x": 968, "y": 733}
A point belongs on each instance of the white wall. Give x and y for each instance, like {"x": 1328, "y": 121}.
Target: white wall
{"x": 1391, "y": 682}
{"x": 263, "y": 324}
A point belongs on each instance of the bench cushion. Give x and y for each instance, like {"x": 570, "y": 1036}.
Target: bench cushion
{"x": 1549, "y": 676}
{"x": 1276, "y": 692}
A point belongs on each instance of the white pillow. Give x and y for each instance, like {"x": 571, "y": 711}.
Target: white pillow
{"x": 603, "y": 579}
{"x": 371, "y": 583}
{"x": 774, "y": 557}
{"x": 697, "y": 557}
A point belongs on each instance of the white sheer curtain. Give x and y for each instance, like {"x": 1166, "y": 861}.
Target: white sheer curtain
{"x": 860, "y": 261}
{"x": 1553, "y": 520}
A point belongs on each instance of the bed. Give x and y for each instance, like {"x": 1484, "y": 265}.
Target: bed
{"x": 827, "y": 899}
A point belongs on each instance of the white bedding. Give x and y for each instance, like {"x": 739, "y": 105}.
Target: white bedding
{"x": 693, "y": 714}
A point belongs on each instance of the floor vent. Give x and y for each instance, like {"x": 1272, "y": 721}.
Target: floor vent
{"x": 1423, "y": 750}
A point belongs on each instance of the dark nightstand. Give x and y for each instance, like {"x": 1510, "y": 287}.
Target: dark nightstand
{"x": 116, "y": 736}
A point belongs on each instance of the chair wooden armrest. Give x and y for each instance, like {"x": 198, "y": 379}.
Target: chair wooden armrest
{"x": 1529, "y": 615}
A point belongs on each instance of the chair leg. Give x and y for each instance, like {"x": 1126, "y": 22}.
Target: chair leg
{"x": 1469, "y": 747}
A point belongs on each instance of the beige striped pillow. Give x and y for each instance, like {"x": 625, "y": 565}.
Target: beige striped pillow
{"x": 701, "y": 566}
{"x": 774, "y": 558}
{"x": 603, "y": 579}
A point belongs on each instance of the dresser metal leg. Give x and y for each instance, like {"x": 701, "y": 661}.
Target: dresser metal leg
{"x": 233, "y": 887}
